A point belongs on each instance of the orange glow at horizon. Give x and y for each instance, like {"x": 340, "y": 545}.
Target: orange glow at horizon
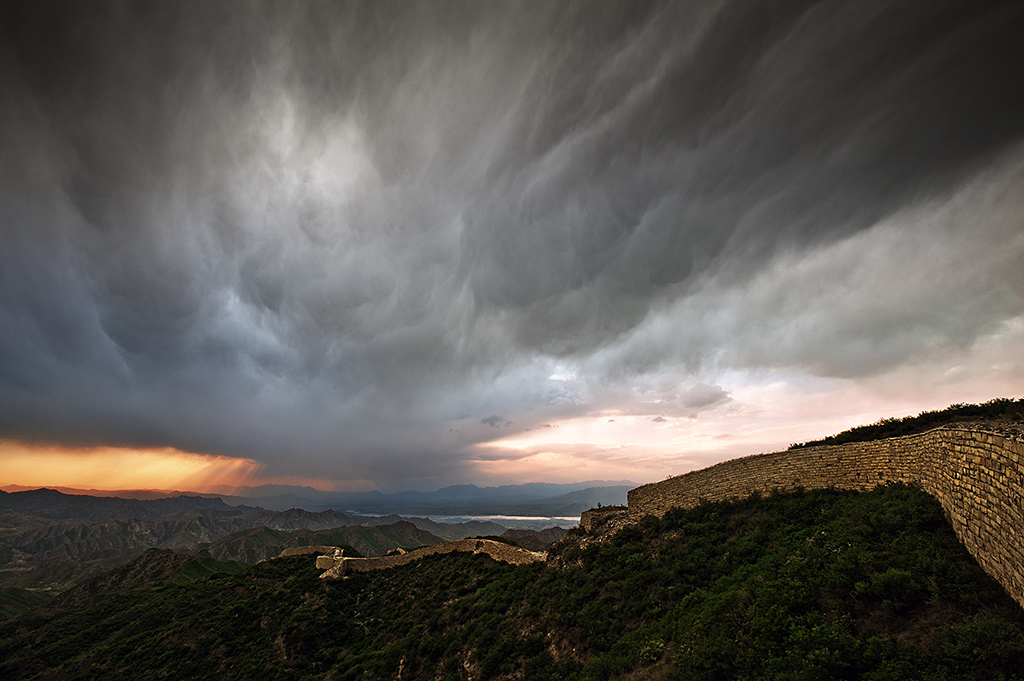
{"x": 119, "y": 468}
{"x": 124, "y": 468}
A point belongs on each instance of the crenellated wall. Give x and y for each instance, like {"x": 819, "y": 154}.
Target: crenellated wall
{"x": 977, "y": 476}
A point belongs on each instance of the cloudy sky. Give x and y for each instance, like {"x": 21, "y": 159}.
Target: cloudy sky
{"x": 401, "y": 245}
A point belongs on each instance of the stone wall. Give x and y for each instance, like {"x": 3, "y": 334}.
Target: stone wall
{"x": 340, "y": 566}
{"x": 306, "y": 550}
{"x": 977, "y": 476}
{"x": 596, "y": 518}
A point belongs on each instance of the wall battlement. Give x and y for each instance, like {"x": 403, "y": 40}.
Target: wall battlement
{"x": 977, "y": 476}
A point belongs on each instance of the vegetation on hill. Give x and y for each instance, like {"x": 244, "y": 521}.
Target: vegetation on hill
{"x": 14, "y": 600}
{"x": 822, "y": 584}
{"x": 39, "y": 550}
{"x": 999, "y": 409}
{"x": 252, "y": 546}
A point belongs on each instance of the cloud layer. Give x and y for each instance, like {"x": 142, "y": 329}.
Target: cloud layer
{"x": 341, "y": 239}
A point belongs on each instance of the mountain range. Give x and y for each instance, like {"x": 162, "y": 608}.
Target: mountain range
{"x": 49, "y": 539}
{"x": 529, "y": 499}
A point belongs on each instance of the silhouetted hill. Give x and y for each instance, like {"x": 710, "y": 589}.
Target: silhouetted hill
{"x": 51, "y": 505}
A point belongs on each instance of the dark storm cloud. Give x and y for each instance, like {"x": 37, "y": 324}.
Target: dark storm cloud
{"x": 320, "y": 233}
{"x": 772, "y": 130}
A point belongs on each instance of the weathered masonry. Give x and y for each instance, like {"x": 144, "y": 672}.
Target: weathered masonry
{"x": 977, "y": 476}
{"x": 338, "y": 566}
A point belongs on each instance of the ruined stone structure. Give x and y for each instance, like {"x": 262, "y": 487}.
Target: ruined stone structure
{"x": 338, "y": 566}
{"x": 977, "y": 476}
{"x": 604, "y": 519}
{"x": 307, "y": 550}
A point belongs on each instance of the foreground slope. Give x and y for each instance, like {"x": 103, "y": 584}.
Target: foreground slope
{"x": 822, "y": 584}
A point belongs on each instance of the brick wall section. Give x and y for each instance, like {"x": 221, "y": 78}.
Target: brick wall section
{"x": 596, "y": 517}
{"x": 977, "y": 476}
{"x": 305, "y": 550}
{"x": 497, "y": 550}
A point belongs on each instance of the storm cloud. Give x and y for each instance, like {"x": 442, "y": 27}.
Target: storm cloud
{"x": 341, "y": 237}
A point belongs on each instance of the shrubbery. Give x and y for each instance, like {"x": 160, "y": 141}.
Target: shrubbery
{"x": 823, "y": 584}
{"x": 1002, "y": 407}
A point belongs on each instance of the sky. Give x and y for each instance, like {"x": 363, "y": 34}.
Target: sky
{"x": 400, "y": 245}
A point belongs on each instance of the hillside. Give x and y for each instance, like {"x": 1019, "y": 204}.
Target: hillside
{"x": 252, "y": 546}
{"x": 50, "y": 540}
{"x": 822, "y": 584}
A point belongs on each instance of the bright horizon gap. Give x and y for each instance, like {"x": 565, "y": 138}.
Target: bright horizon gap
{"x": 605, "y": 448}
{"x": 158, "y": 469}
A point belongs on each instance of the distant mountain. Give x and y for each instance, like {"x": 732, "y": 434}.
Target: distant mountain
{"x": 252, "y": 546}
{"x": 535, "y": 498}
{"x": 48, "y": 505}
{"x": 447, "y": 531}
{"x": 451, "y": 500}
{"x": 142, "y": 494}
{"x": 140, "y": 525}
{"x": 281, "y": 502}
{"x": 539, "y": 499}
{"x": 50, "y": 540}
{"x": 535, "y": 540}
{"x": 271, "y": 491}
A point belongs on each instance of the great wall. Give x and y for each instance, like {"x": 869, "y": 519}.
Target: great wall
{"x": 337, "y": 565}
{"x": 976, "y": 475}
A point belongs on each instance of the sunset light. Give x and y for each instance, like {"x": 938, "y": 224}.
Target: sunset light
{"x": 113, "y": 468}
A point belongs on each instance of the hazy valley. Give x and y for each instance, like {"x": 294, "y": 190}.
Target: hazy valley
{"x": 49, "y": 540}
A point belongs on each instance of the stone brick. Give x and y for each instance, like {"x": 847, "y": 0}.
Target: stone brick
{"x": 339, "y": 567}
{"x": 975, "y": 475}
